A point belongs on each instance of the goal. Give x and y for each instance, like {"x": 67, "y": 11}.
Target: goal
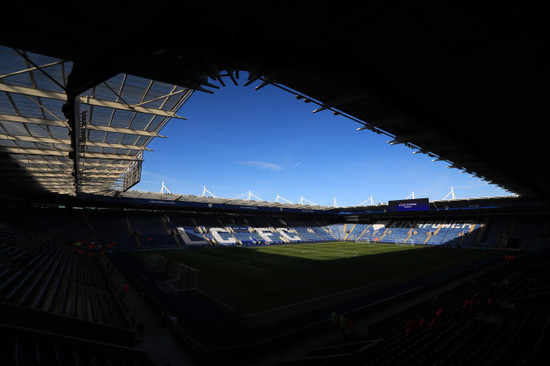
{"x": 155, "y": 262}
{"x": 182, "y": 277}
{"x": 178, "y": 276}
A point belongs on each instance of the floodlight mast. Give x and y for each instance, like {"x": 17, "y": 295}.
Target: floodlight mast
{"x": 411, "y": 196}
{"x": 164, "y": 188}
{"x": 302, "y": 200}
{"x": 370, "y": 201}
{"x": 451, "y": 193}
{"x": 281, "y": 198}
{"x": 252, "y": 195}
{"x": 205, "y": 191}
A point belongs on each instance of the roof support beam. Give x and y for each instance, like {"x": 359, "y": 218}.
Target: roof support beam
{"x": 62, "y": 184}
{"x": 71, "y": 110}
{"x": 163, "y": 97}
{"x": 28, "y": 151}
{"x": 66, "y": 164}
{"x": 17, "y": 89}
{"x": 59, "y": 123}
{"x": 61, "y": 170}
{"x": 127, "y": 131}
{"x": 31, "y": 68}
{"x": 64, "y": 153}
{"x": 49, "y": 140}
{"x": 65, "y": 175}
{"x": 32, "y": 120}
{"x": 90, "y": 155}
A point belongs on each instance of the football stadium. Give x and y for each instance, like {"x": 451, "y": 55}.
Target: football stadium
{"x": 96, "y": 272}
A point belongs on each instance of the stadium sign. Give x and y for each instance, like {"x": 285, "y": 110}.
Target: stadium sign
{"x": 418, "y": 204}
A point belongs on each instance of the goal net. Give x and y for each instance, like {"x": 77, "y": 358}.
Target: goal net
{"x": 182, "y": 277}
{"x": 155, "y": 262}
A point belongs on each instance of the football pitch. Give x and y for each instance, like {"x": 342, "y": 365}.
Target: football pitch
{"x": 265, "y": 280}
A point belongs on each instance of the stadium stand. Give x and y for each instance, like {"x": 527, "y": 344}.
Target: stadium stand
{"x": 450, "y": 232}
{"x": 50, "y": 273}
{"x": 23, "y": 347}
{"x": 84, "y": 92}
{"x": 498, "y": 318}
{"x": 63, "y": 280}
{"x": 527, "y": 229}
{"x": 498, "y": 230}
{"x": 142, "y": 231}
{"x": 111, "y": 229}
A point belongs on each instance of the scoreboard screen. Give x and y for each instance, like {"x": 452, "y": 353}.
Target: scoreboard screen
{"x": 418, "y": 204}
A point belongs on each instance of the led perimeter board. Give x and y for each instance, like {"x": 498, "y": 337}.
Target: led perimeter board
{"x": 418, "y": 204}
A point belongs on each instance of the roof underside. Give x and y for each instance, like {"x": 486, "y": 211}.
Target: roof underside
{"x": 117, "y": 120}
{"x": 468, "y": 86}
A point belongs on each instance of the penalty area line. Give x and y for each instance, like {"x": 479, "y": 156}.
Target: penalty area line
{"x": 218, "y": 301}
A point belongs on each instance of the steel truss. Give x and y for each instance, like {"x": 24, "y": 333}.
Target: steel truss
{"x": 78, "y": 143}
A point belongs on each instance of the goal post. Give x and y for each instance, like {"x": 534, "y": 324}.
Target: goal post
{"x": 182, "y": 276}
{"x": 155, "y": 262}
{"x": 177, "y": 275}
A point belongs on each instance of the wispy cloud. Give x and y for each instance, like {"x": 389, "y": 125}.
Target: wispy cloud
{"x": 311, "y": 153}
{"x": 261, "y": 164}
{"x": 298, "y": 163}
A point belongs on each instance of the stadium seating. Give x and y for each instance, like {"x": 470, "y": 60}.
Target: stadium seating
{"x": 110, "y": 229}
{"x": 27, "y": 347}
{"x": 355, "y": 232}
{"x": 497, "y": 230}
{"x": 322, "y": 232}
{"x": 151, "y": 231}
{"x": 147, "y": 224}
{"x": 65, "y": 282}
{"x": 398, "y": 232}
{"x": 528, "y": 229}
{"x": 249, "y": 231}
{"x": 499, "y": 318}
{"x": 61, "y": 280}
{"x": 374, "y": 232}
{"x": 307, "y": 233}
{"x": 334, "y": 230}
{"x": 247, "y": 238}
{"x": 410, "y": 232}
{"x": 192, "y": 236}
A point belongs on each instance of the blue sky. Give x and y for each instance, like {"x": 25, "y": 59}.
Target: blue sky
{"x": 266, "y": 141}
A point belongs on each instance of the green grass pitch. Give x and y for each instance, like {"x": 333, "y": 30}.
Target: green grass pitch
{"x": 255, "y": 280}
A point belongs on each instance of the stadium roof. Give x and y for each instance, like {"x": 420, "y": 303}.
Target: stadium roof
{"x": 154, "y": 196}
{"x": 117, "y": 120}
{"x": 463, "y": 85}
